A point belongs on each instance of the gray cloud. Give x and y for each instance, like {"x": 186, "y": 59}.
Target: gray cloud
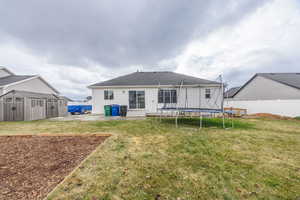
{"x": 114, "y": 33}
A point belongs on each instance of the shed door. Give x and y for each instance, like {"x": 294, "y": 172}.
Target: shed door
{"x": 52, "y": 108}
{"x": 13, "y": 109}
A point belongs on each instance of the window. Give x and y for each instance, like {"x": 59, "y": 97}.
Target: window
{"x": 136, "y": 99}
{"x": 108, "y": 95}
{"x": 18, "y": 99}
{"x": 8, "y": 100}
{"x": 33, "y": 103}
{"x": 167, "y": 96}
{"x": 207, "y": 93}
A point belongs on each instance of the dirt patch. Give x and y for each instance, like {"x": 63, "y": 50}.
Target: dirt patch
{"x": 31, "y": 166}
{"x": 268, "y": 115}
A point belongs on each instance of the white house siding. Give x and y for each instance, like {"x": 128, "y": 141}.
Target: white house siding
{"x": 195, "y": 96}
{"x": 32, "y": 85}
{"x": 289, "y": 108}
{"x": 263, "y": 95}
{"x": 261, "y": 88}
{"x": 3, "y": 73}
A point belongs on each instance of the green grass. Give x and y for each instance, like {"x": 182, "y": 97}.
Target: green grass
{"x": 145, "y": 159}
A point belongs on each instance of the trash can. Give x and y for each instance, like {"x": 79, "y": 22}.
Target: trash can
{"x": 123, "y": 111}
{"x": 115, "y": 110}
{"x": 107, "y": 110}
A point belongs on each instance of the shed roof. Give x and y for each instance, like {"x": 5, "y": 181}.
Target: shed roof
{"x": 21, "y": 93}
{"x": 154, "y": 78}
{"x": 12, "y": 79}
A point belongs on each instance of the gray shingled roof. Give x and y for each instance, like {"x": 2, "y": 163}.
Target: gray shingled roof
{"x": 154, "y": 78}
{"x": 231, "y": 92}
{"x": 291, "y": 79}
{"x": 12, "y": 79}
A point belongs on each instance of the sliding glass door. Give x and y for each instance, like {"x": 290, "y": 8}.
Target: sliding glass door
{"x": 136, "y": 99}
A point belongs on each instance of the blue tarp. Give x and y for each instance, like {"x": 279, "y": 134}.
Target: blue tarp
{"x": 79, "y": 108}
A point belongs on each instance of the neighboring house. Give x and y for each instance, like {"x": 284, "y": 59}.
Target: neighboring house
{"x": 231, "y": 92}
{"x": 24, "y": 97}
{"x": 9, "y": 81}
{"x": 275, "y": 93}
{"x": 146, "y": 92}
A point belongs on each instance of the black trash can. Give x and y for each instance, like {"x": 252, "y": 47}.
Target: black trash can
{"x": 123, "y": 110}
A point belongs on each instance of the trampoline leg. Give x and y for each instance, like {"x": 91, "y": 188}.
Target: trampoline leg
{"x": 176, "y": 120}
{"x": 224, "y": 121}
{"x": 232, "y": 126}
{"x": 200, "y": 121}
{"x": 160, "y": 115}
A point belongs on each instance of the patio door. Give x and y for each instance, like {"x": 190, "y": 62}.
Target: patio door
{"x": 136, "y": 99}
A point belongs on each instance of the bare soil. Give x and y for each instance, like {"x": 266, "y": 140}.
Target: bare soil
{"x": 268, "y": 115}
{"x": 31, "y": 166}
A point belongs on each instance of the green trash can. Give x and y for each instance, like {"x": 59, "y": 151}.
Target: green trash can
{"x": 107, "y": 110}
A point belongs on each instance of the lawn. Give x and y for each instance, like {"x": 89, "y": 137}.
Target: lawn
{"x": 145, "y": 159}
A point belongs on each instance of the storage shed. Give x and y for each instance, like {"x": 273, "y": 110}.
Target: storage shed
{"x": 25, "y": 106}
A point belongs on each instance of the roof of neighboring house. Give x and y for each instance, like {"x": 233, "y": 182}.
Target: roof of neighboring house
{"x": 12, "y": 79}
{"x": 5, "y": 69}
{"x": 153, "y": 78}
{"x": 289, "y": 79}
{"x": 66, "y": 98}
{"x": 231, "y": 92}
{"x": 22, "y": 93}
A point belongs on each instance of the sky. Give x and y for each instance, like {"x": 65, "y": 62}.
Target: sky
{"x": 73, "y": 44}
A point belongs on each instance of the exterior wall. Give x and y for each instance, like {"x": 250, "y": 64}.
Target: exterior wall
{"x": 261, "y": 88}
{"x": 33, "y": 85}
{"x": 279, "y": 107}
{"x": 121, "y": 97}
{"x": 1, "y": 91}
{"x": 34, "y": 113}
{"x": 1, "y": 110}
{"x": 62, "y": 108}
{"x": 3, "y": 73}
{"x": 195, "y": 96}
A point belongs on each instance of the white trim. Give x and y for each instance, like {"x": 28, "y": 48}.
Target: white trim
{"x": 5, "y": 69}
{"x": 152, "y": 86}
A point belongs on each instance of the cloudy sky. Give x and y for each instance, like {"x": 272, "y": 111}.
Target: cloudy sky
{"x": 75, "y": 43}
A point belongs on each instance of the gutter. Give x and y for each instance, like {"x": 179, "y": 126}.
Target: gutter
{"x": 153, "y": 86}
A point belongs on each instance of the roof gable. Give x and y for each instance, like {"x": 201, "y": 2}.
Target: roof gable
{"x": 153, "y": 78}
{"x": 289, "y": 79}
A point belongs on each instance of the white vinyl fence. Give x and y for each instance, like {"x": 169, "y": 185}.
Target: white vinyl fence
{"x": 290, "y": 108}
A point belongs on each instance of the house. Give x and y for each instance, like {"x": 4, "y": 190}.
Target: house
{"x": 275, "y": 93}
{"x": 31, "y": 83}
{"x": 28, "y": 97}
{"x": 146, "y": 92}
{"x": 231, "y": 92}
